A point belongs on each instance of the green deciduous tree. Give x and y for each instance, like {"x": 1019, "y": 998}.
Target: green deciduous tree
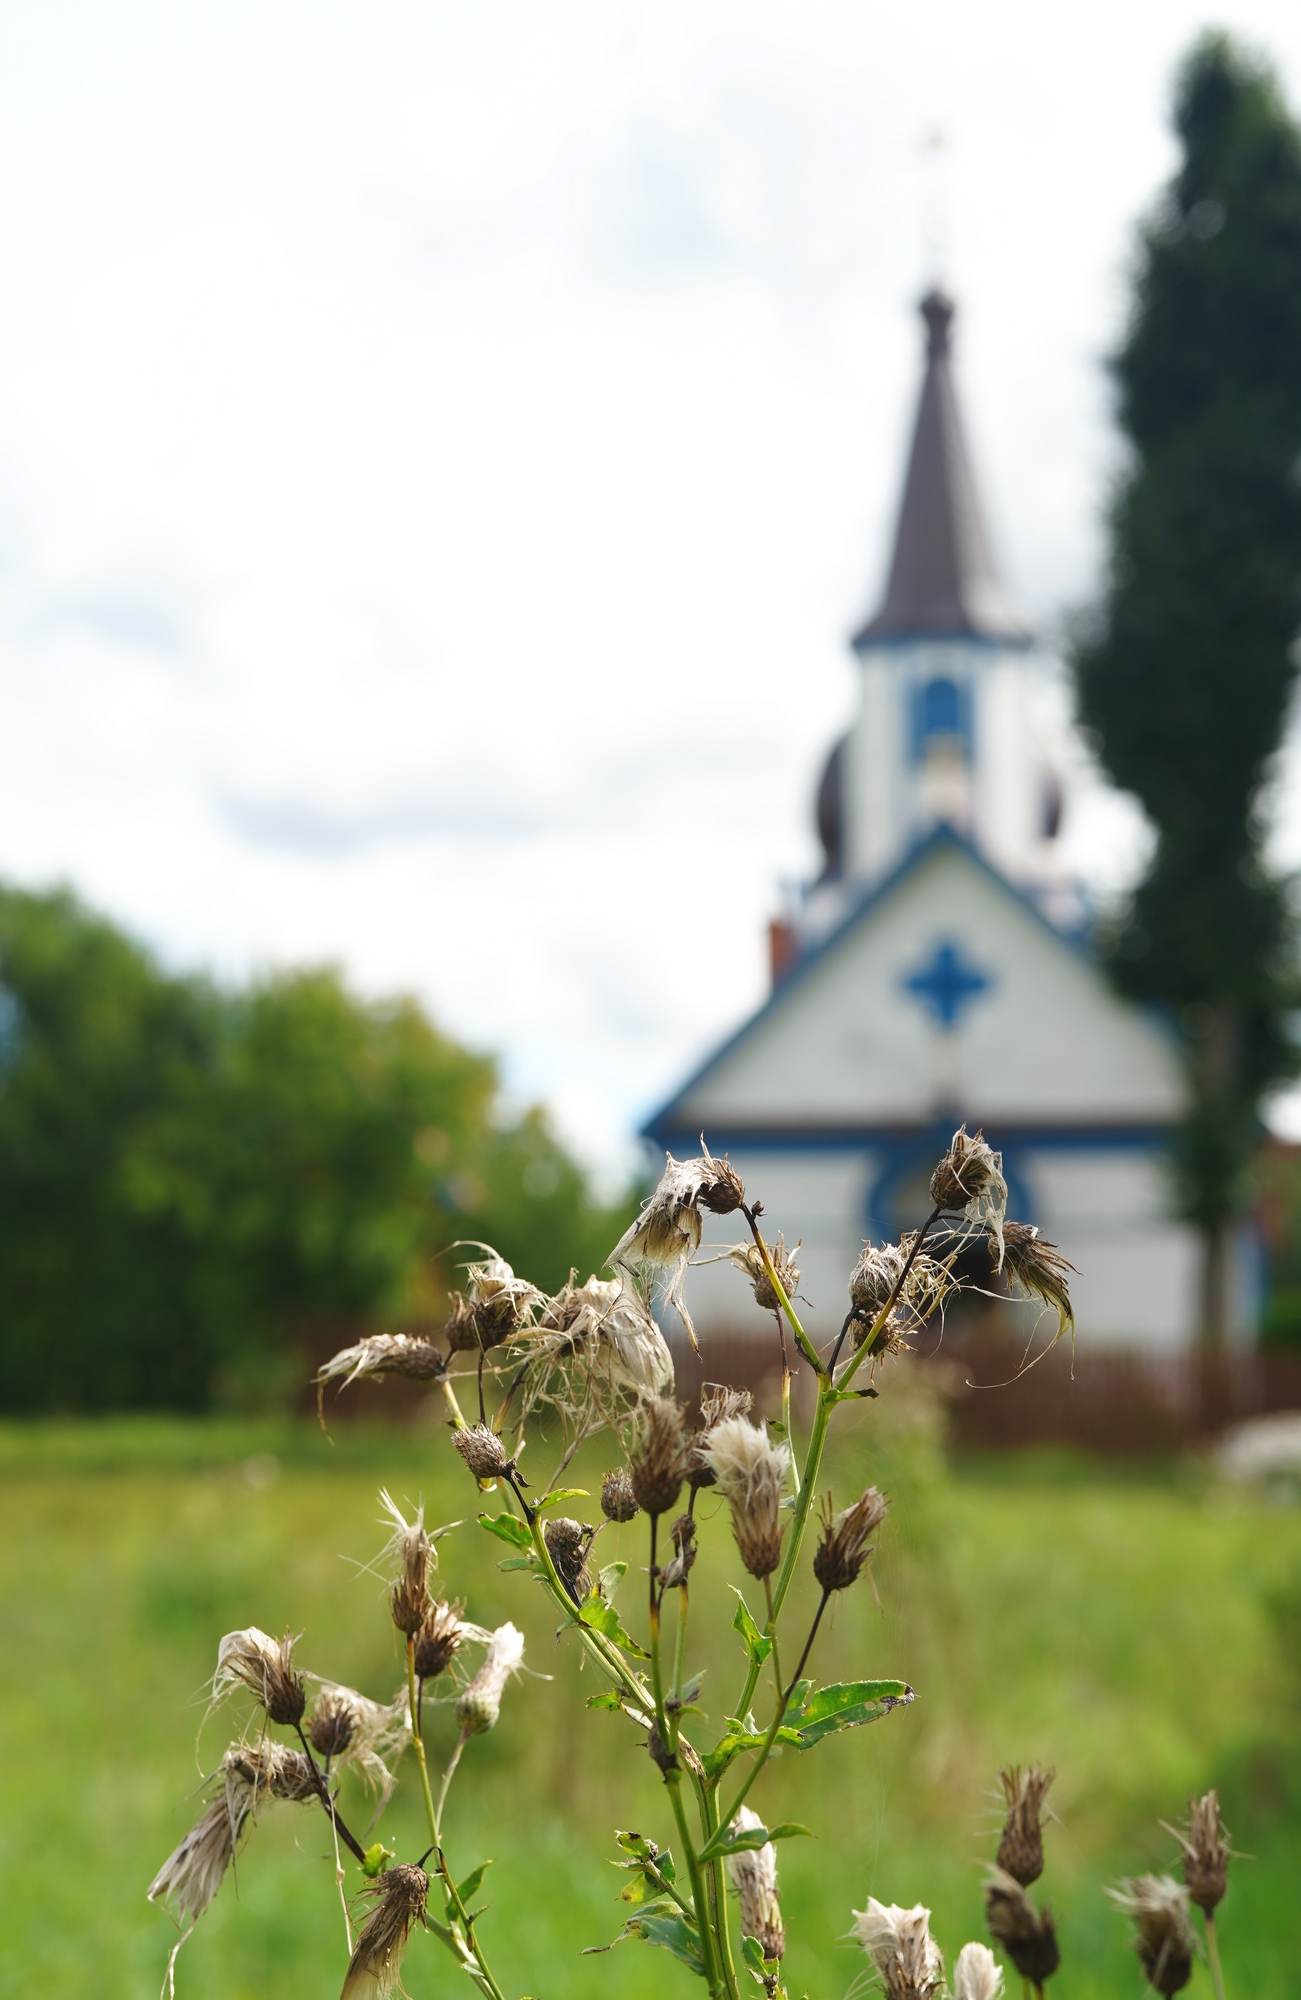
{"x": 1185, "y": 678}
{"x": 195, "y": 1183}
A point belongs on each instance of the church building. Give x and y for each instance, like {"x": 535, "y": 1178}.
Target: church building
{"x": 939, "y": 970}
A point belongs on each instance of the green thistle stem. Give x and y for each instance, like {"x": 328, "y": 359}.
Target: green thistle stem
{"x": 1213, "y": 1954}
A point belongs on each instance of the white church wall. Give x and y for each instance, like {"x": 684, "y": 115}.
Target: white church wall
{"x": 1109, "y": 1213}
{"x": 873, "y": 802}
{"x": 1006, "y": 815}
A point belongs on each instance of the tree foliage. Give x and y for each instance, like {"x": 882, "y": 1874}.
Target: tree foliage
{"x": 1185, "y": 681}
{"x": 194, "y": 1182}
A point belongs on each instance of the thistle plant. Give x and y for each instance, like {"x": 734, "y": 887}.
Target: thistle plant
{"x": 707, "y": 1891}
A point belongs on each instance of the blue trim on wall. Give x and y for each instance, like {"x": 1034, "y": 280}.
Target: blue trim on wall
{"x": 942, "y": 837}
{"x": 681, "y": 1138}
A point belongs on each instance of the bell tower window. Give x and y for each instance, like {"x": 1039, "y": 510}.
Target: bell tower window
{"x": 941, "y": 718}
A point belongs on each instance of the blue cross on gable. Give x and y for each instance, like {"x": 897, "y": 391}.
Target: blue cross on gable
{"x": 946, "y": 984}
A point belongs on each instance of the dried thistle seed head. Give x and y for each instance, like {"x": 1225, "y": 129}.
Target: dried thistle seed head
{"x": 977, "y": 1974}
{"x": 498, "y": 1306}
{"x": 479, "y": 1704}
{"x": 460, "y": 1331}
{"x": 438, "y": 1641}
{"x": 401, "y": 1896}
{"x": 411, "y": 1551}
{"x": 1037, "y": 1270}
{"x": 683, "y": 1535}
{"x": 879, "y": 1277}
{"x": 748, "y": 1258}
{"x": 965, "y": 1172}
{"x": 1021, "y": 1849}
{"x": 721, "y": 1188}
{"x": 385, "y": 1354}
{"x": 1028, "y": 1937}
{"x": 567, "y": 1542}
{"x": 265, "y": 1667}
{"x": 192, "y": 1874}
{"x": 908, "y": 1962}
{"x": 593, "y": 1355}
{"x": 482, "y": 1450}
{"x": 657, "y": 1458}
{"x": 754, "y": 1877}
{"x": 718, "y": 1402}
{"x": 1164, "y": 1937}
{"x": 332, "y": 1725}
{"x": 844, "y": 1546}
{"x": 750, "y": 1474}
{"x": 378, "y": 1731}
{"x": 660, "y": 1243}
{"x": 970, "y": 1178}
{"x": 1206, "y": 1851}
{"x": 618, "y": 1501}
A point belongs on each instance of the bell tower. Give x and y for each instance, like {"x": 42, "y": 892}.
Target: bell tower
{"x": 944, "y": 733}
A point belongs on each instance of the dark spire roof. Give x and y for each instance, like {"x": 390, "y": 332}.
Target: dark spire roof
{"x": 943, "y": 583}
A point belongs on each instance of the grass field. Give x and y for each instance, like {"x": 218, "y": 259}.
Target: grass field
{"x": 1140, "y": 1632}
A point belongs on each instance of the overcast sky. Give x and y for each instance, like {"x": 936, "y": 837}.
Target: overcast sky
{"x": 443, "y": 449}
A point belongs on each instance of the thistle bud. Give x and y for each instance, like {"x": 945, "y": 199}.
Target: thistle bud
{"x": 618, "y": 1501}
{"x": 844, "y": 1546}
{"x": 657, "y": 1460}
{"x": 750, "y": 1474}
{"x": 977, "y": 1974}
{"x": 482, "y": 1450}
{"x": 401, "y": 1899}
{"x": 1021, "y": 1849}
{"x": 908, "y": 1961}
{"x": 479, "y": 1704}
{"x": 438, "y": 1640}
{"x": 332, "y": 1725}
{"x": 1027, "y": 1937}
{"x": 265, "y": 1667}
{"x": 683, "y": 1536}
{"x": 1164, "y": 1937}
{"x": 1206, "y": 1851}
{"x": 567, "y": 1542}
{"x": 754, "y": 1877}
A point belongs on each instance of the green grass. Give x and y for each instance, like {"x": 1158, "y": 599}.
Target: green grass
{"x": 1138, "y": 1631}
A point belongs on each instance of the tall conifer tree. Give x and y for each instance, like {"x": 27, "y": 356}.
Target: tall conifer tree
{"x": 1184, "y": 682}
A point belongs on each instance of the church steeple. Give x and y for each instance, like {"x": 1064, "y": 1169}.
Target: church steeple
{"x": 943, "y": 583}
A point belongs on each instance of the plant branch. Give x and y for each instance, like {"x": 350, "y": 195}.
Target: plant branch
{"x": 1213, "y": 1954}
{"x": 350, "y": 1840}
{"x": 870, "y": 1338}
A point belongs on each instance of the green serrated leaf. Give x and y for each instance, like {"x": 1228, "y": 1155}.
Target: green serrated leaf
{"x": 609, "y": 1580}
{"x": 751, "y": 1949}
{"x": 507, "y": 1528}
{"x": 846, "y": 1705}
{"x": 662, "y": 1922}
{"x": 376, "y": 1860}
{"x": 637, "y": 1845}
{"x": 470, "y": 1886}
{"x": 607, "y": 1700}
{"x": 562, "y": 1493}
{"x": 517, "y": 1562}
{"x": 737, "y": 1739}
{"x": 603, "y": 1618}
{"x": 757, "y": 1644}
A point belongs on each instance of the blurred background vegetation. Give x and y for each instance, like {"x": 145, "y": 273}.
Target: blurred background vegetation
{"x": 1136, "y": 1627}
{"x": 202, "y": 1187}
